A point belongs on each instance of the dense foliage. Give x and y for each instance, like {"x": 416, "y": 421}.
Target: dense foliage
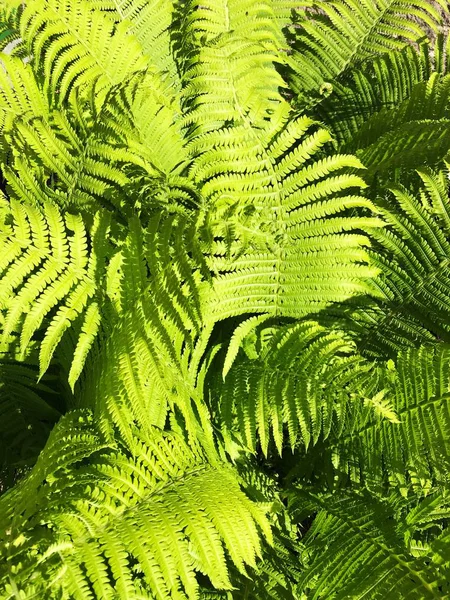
{"x": 224, "y": 299}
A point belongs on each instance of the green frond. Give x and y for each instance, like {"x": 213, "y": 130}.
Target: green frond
{"x": 415, "y": 145}
{"x": 149, "y": 123}
{"x": 76, "y": 46}
{"x": 355, "y": 548}
{"x": 243, "y": 331}
{"x": 149, "y": 364}
{"x": 275, "y": 577}
{"x": 286, "y": 240}
{"x": 227, "y": 55}
{"x": 140, "y": 521}
{"x": 333, "y": 37}
{"x": 48, "y": 276}
{"x": 388, "y": 110}
{"x": 412, "y": 255}
{"x": 285, "y": 385}
{"x": 407, "y": 439}
{"x": 302, "y": 384}
{"x": 20, "y": 96}
{"x": 441, "y": 53}
{"x": 59, "y": 154}
{"x": 412, "y": 134}
{"x": 151, "y": 23}
{"x": 252, "y": 19}
{"x": 87, "y": 159}
{"x": 369, "y": 93}
{"x": 244, "y": 88}
{"x": 425, "y": 100}
{"x": 89, "y": 331}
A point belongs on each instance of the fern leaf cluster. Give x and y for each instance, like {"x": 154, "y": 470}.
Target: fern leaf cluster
{"x": 157, "y": 509}
{"x": 224, "y": 299}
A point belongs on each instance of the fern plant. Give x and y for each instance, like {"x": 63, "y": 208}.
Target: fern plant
{"x": 224, "y": 292}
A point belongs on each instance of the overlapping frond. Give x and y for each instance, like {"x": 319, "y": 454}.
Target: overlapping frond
{"x": 9, "y": 28}
{"x": 377, "y": 423}
{"x": 360, "y": 546}
{"x": 20, "y": 96}
{"x": 286, "y": 225}
{"x": 138, "y": 521}
{"x": 48, "y": 150}
{"x": 49, "y": 279}
{"x": 275, "y": 577}
{"x": 74, "y": 45}
{"x": 332, "y": 37}
{"x": 413, "y": 259}
{"x": 374, "y": 88}
{"x": 130, "y": 153}
{"x": 391, "y": 111}
{"x": 227, "y": 54}
{"x": 401, "y": 433}
{"x": 286, "y": 384}
{"x": 148, "y": 124}
{"x": 152, "y": 24}
{"x": 150, "y": 362}
{"x": 413, "y": 134}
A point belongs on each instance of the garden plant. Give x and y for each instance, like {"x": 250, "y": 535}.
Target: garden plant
{"x": 224, "y": 300}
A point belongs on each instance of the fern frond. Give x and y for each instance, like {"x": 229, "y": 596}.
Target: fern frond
{"x": 157, "y": 509}
{"x": 150, "y": 363}
{"x": 227, "y": 54}
{"x": 355, "y": 548}
{"x": 289, "y": 380}
{"x": 9, "y": 37}
{"x": 336, "y": 36}
{"x": 152, "y": 24}
{"x": 47, "y": 275}
{"x": 441, "y": 53}
{"x": 416, "y": 145}
{"x": 61, "y": 154}
{"x": 275, "y": 577}
{"x": 377, "y": 423}
{"x": 20, "y": 96}
{"x": 376, "y": 87}
{"x": 75, "y": 46}
{"x": 148, "y": 123}
{"x": 246, "y": 341}
{"x": 413, "y": 447}
{"x": 244, "y": 89}
{"x": 395, "y": 137}
{"x": 413, "y": 261}
{"x": 284, "y": 241}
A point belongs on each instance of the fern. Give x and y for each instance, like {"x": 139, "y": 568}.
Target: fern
{"x": 407, "y": 440}
{"x": 267, "y": 390}
{"x": 47, "y": 275}
{"x": 355, "y": 548}
{"x": 302, "y": 241}
{"x": 384, "y": 109}
{"x": 224, "y": 361}
{"x": 336, "y": 36}
{"x": 306, "y": 386}
{"x": 415, "y": 274}
{"x": 132, "y": 510}
{"x": 370, "y": 90}
{"x": 70, "y": 54}
{"x": 150, "y": 23}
